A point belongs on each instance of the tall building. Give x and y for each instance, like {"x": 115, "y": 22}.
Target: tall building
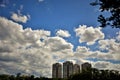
{"x": 67, "y": 69}
{"x": 86, "y": 67}
{"x": 76, "y": 69}
{"x": 57, "y": 70}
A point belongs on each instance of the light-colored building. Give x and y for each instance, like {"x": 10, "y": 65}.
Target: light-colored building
{"x": 67, "y": 69}
{"x": 76, "y": 69}
{"x": 57, "y": 70}
{"x": 86, "y": 67}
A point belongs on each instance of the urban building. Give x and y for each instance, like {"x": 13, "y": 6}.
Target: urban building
{"x": 86, "y": 67}
{"x": 76, "y": 69}
{"x": 67, "y": 69}
{"x": 57, "y": 70}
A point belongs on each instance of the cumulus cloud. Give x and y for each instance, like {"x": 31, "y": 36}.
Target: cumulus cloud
{"x": 20, "y": 18}
{"x": 30, "y": 51}
{"x": 85, "y": 53}
{"x": 58, "y": 47}
{"x": 101, "y": 56}
{"x": 82, "y": 49}
{"x": 81, "y": 52}
{"x": 13, "y": 33}
{"x": 24, "y": 49}
{"x": 63, "y": 33}
{"x": 57, "y": 44}
{"x": 106, "y": 65}
{"x": 89, "y": 34}
{"x": 111, "y": 45}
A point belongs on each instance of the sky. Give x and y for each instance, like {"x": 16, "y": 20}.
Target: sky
{"x": 34, "y": 34}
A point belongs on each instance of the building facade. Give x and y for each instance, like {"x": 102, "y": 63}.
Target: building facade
{"x": 86, "y": 67}
{"x": 76, "y": 69}
{"x": 57, "y": 70}
{"x": 67, "y": 69}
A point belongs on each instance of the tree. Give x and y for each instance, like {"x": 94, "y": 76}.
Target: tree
{"x": 112, "y": 7}
{"x": 95, "y": 74}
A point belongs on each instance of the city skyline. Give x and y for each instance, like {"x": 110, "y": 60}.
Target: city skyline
{"x": 68, "y": 68}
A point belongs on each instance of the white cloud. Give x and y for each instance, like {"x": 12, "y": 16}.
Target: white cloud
{"x": 106, "y": 65}
{"x": 111, "y": 45}
{"x": 13, "y": 33}
{"x": 63, "y": 33}
{"x": 57, "y": 44}
{"x": 58, "y": 47}
{"x": 34, "y": 51}
{"x": 85, "y": 53}
{"x": 89, "y": 34}
{"x": 81, "y": 52}
{"x": 23, "y": 48}
{"x": 40, "y": 0}
{"x": 20, "y": 18}
{"x": 82, "y": 49}
{"x": 101, "y": 55}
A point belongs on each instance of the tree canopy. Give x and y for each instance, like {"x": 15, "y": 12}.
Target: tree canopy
{"x": 91, "y": 74}
{"x": 112, "y": 7}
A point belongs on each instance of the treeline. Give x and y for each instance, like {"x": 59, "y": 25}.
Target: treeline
{"x": 93, "y": 74}
{"x": 21, "y": 77}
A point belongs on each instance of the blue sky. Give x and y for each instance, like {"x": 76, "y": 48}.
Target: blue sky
{"x": 54, "y": 29}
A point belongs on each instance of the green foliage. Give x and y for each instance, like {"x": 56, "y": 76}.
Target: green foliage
{"x": 96, "y": 74}
{"x": 112, "y": 7}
